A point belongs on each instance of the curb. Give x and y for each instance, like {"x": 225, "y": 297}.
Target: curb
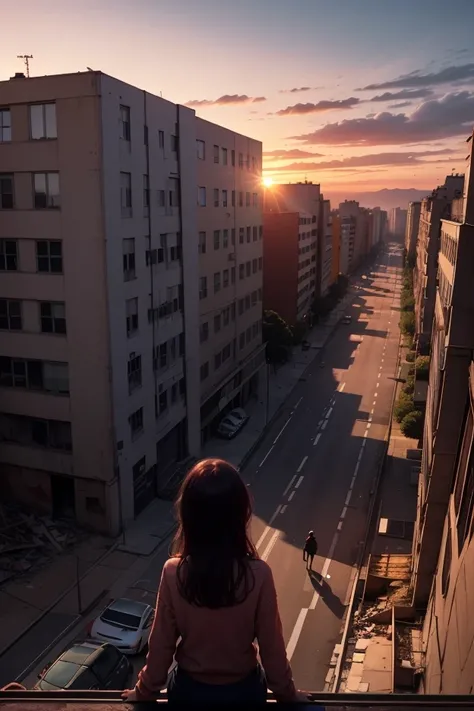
{"x": 51, "y": 607}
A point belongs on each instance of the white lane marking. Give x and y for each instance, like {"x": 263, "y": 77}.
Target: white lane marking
{"x": 270, "y": 546}
{"x": 316, "y": 439}
{"x": 320, "y": 423}
{"x": 289, "y": 485}
{"x": 339, "y": 526}
{"x": 266, "y": 456}
{"x": 283, "y": 509}
{"x": 378, "y": 376}
{"x": 297, "y": 485}
{"x": 303, "y": 462}
{"x": 376, "y": 395}
{"x": 377, "y": 385}
{"x": 282, "y": 430}
{"x": 323, "y": 426}
{"x": 328, "y": 414}
{"x": 348, "y": 498}
{"x": 299, "y": 402}
{"x": 374, "y": 403}
{"x": 372, "y": 411}
{"x": 344, "y": 511}
{"x": 295, "y": 635}
{"x": 341, "y": 387}
{"x": 291, "y": 496}
{"x": 363, "y": 444}
{"x": 269, "y": 527}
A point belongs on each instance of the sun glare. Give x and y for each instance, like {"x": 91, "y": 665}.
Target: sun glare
{"x": 268, "y": 182}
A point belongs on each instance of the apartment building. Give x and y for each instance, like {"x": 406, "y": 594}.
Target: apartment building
{"x": 411, "y": 231}
{"x": 291, "y": 218}
{"x": 452, "y": 346}
{"x": 397, "y": 220}
{"x": 433, "y": 209}
{"x": 103, "y": 206}
{"x": 230, "y": 269}
{"x": 336, "y": 262}
{"x": 324, "y": 257}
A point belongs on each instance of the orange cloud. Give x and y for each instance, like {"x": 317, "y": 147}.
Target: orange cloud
{"x": 320, "y": 107}
{"x": 287, "y": 154}
{"x": 227, "y": 100}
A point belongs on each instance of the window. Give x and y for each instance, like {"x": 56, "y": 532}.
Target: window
{"x": 34, "y": 375}
{"x": 233, "y": 198}
{"x": 46, "y": 189}
{"x": 202, "y": 243}
{"x": 241, "y": 271}
{"x": 49, "y": 256}
{"x": 232, "y": 275}
{"x": 241, "y": 306}
{"x": 43, "y": 121}
{"x": 204, "y": 332}
{"x": 241, "y": 235}
{"x": 255, "y": 329}
{"x": 217, "y": 239}
{"x": 247, "y": 199}
{"x": 217, "y": 360}
{"x": 131, "y": 311}
{"x": 254, "y": 233}
{"x": 174, "y": 192}
{"x": 225, "y": 238}
{"x": 232, "y": 236}
{"x": 255, "y": 199}
{"x": 201, "y": 150}
{"x": 247, "y": 162}
{"x": 10, "y": 315}
{"x": 146, "y": 193}
{"x": 161, "y": 139}
{"x": 225, "y": 278}
{"x": 204, "y": 370}
{"x": 6, "y": 192}
{"x": 174, "y": 143}
{"x": 134, "y": 373}
{"x": 163, "y": 355}
{"x": 163, "y": 402}
{"x": 248, "y": 268}
{"x": 216, "y": 197}
{"x": 260, "y": 232}
{"x": 249, "y": 234}
{"x": 8, "y": 255}
{"x": 224, "y": 156}
{"x": 217, "y": 323}
{"x": 248, "y": 334}
{"x": 254, "y": 266}
{"x": 241, "y": 198}
{"x": 125, "y": 123}
{"x": 126, "y": 194}
{"x": 161, "y": 198}
{"x": 226, "y": 353}
{"x": 224, "y": 198}
{"x": 174, "y": 392}
{"x": 232, "y": 311}
{"x": 128, "y": 249}
{"x": 260, "y": 264}
{"x": 216, "y": 154}
{"x": 254, "y": 297}
{"x": 202, "y": 287}
{"x": 233, "y": 158}
{"x": 217, "y": 282}
{"x": 52, "y": 317}
{"x": 242, "y": 340}
{"x": 241, "y": 160}
{"x": 5, "y": 126}
{"x": 226, "y": 316}
{"x": 247, "y": 302}
{"x": 201, "y": 197}
{"x": 136, "y": 421}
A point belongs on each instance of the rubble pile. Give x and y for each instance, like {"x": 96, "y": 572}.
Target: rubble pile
{"x": 27, "y": 541}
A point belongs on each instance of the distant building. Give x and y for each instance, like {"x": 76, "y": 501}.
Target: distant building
{"x": 411, "y": 231}
{"x": 443, "y": 547}
{"x": 291, "y": 218}
{"x": 397, "y": 222}
{"x": 336, "y": 268}
{"x": 324, "y": 260}
{"x": 360, "y": 230}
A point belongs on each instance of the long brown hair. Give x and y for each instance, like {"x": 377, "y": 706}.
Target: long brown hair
{"x": 214, "y": 512}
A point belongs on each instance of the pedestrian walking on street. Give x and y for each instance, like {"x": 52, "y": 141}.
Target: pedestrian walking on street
{"x": 310, "y": 549}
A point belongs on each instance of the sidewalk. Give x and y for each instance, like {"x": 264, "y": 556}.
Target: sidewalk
{"x": 47, "y": 603}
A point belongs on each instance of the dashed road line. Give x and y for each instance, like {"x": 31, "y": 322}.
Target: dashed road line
{"x": 298, "y": 483}
{"x": 316, "y": 439}
{"x": 289, "y": 485}
{"x": 270, "y": 546}
{"x": 266, "y": 456}
{"x": 268, "y": 527}
{"x": 303, "y": 462}
{"x": 324, "y": 425}
{"x": 282, "y": 430}
{"x": 328, "y": 413}
{"x": 291, "y": 496}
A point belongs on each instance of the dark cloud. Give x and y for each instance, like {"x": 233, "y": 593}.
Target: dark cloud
{"x": 297, "y": 89}
{"x": 462, "y": 72}
{"x": 452, "y": 115}
{"x": 371, "y": 159}
{"x": 320, "y": 107}
{"x": 404, "y": 94}
{"x": 287, "y": 154}
{"x": 227, "y": 100}
{"x": 401, "y": 105}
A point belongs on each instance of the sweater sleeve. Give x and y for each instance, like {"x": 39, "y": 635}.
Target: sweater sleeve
{"x": 161, "y": 645}
{"x": 271, "y": 643}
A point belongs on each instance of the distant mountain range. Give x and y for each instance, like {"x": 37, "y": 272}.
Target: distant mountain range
{"x": 385, "y": 199}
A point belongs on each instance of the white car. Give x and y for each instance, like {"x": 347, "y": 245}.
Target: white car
{"x": 124, "y": 623}
{"x": 232, "y": 423}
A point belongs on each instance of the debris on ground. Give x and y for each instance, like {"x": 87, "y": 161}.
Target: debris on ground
{"x": 27, "y": 541}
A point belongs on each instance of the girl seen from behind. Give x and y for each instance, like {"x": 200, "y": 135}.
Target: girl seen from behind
{"x": 215, "y": 599}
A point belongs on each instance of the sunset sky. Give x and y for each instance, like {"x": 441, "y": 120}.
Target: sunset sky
{"x": 354, "y": 94}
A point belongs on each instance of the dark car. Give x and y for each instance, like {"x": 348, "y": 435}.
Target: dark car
{"x": 86, "y": 666}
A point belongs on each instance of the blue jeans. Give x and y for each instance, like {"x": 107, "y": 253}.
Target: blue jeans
{"x": 183, "y": 689}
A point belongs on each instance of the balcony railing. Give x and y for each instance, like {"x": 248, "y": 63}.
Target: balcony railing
{"x": 108, "y": 700}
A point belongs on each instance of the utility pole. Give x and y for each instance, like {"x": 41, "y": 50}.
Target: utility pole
{"x": 26, "y": 58}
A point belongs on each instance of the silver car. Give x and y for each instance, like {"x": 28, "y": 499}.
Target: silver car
{"x": 126, "y": 624}
{"x": 232, "y": 423}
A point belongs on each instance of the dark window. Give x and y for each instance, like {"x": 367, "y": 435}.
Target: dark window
{"x": 216, "y": 154}
{"x": 202, "y": 243}
{"x": 126, "y": 194}
{"x": 233, "y": 158}
{"x": 5, "y": 126}
{"x": 249, "y": 234}
{"x": 134, "y": 373}
{"x": 128, "y": 249}
{"x": 136, "y": 421}
{"x": 46, "y": 189}
{"x": 163, "y": 401}
{"x": 161, "y": 139}
{"x": 254, "y": 233}
{"x": 146, "y": 192}
{"x": 53, "y": 317}
{"x": 217, "y": 239}
{"x": 241, "y": 271}
{"x": 204, "y": 370}
{"x": 6, "y": 191}
{"x": 248, "y": 268}
{"x": 232, "y": 275}
{"x": 10, "y": 315}
{"x": 174, "y": 192}
{"x": 8, "y": 255}
{"x": 43, "y": 121}
{"x": 174, "y": 143}
{"x": 125, "y": 123}
{"x": 49, "y": 256}
{"x": 204, "y": 332}
{"x": 131, "y": 310}
{"x": 217, "y": 323}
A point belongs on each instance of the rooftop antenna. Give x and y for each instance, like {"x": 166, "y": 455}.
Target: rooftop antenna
{"x": 26, "y": 58}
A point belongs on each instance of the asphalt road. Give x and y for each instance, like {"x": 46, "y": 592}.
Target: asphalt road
{"x": 315, "y": 468}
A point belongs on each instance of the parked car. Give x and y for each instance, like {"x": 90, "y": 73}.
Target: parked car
{"x": 124, "y": 623}
{"x": 346, "y": 319}
{"x": 86, "y": 666}
{"x": 232, "y": 423}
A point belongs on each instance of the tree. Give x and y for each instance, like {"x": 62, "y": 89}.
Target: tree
{"x": 407, "y": 302}
{"x": 422, "y": 367}
{"x": 403, "y": 406}
{"x": 412, "y": 425}
{"x": 410, "y": 357}
{"x": 298, "y": 331}
{"x": 278, "y": 337}
{"x": 407, "y": 323}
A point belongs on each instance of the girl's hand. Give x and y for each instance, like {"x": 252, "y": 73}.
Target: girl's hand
{"x": 129, "y": 695}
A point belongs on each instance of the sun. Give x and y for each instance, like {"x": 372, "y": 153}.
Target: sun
{"x": 268, "y": 182}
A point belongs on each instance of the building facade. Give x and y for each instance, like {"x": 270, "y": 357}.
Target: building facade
{"x": 324, "y": 259}
{"x": 102, "y": 215}
{"x": 291, "y": 218}
{"x": 411, "y": 231}
{"x": 397, "y": 222}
